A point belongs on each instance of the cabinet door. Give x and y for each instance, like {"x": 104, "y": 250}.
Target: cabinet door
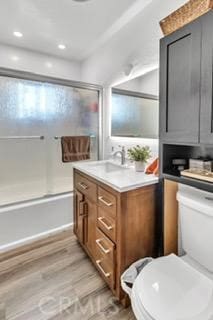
{"x": 79, "y": 216}
{"x": 206, "y": 125}
{"x": 180, "y": 84}
{"x": 90, "y": 233}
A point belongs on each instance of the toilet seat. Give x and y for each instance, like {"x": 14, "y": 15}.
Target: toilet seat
{"x": 138, "y": 308}
{"x": 168, "y": 288}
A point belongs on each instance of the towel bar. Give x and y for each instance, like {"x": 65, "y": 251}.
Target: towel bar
{"x": 57, "y": 138}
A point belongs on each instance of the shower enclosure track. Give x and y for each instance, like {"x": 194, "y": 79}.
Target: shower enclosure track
{"x": 22, "y": 137}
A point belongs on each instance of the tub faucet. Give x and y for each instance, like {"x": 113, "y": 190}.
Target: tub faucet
{"x": 122, "y": 152}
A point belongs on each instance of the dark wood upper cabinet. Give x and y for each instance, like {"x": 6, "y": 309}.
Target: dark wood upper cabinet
{"x": 206, "y": 123}
{"x": 180, "y": 84}
{"x": 186, "y": 114}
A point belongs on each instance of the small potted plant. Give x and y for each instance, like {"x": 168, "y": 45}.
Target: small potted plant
{"x": 140, "y": 155}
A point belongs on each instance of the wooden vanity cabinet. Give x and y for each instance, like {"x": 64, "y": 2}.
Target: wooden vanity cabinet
{"x": 90, "y": 227}
{"x": 115, "y": 229}
{"x": 79, "y": 212}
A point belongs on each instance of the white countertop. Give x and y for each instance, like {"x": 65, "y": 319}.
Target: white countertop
{"x": 120, "y": 178}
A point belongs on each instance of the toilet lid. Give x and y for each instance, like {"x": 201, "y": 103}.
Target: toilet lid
{"x": 170, "y": 289}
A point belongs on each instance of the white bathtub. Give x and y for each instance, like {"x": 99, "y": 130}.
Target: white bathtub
{"x": 32, "y": 220}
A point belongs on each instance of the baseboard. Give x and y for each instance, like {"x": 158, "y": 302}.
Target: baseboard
{"x": 30, "y": 240}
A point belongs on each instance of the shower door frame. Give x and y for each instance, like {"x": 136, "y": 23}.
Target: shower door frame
{"x": 25, "y": 75}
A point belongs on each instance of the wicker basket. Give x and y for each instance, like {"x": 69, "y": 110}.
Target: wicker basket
{"x": 187, "y": 13}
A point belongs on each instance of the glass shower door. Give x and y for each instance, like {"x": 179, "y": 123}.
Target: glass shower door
{"x": 76, "y": 113}
{"x": 33, "y": 117}
{"x": 22, "y": 147}
{"x": 22, "y": 169}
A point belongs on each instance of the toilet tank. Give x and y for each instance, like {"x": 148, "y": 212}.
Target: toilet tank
{"x": 196, "y": 224}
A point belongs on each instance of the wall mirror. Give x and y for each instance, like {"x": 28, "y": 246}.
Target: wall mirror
{"x": 134, "y": 114}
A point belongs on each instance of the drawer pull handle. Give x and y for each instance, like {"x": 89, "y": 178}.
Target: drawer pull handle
{"x": 106, "y": 274}
{"x": 106, "y": 251}
{"x": 108, "y": 227}
{"x": 83, "y": 185}
{"x": 108, "y": 204}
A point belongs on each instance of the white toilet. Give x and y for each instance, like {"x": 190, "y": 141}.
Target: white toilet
{"x": 181, "y": 288}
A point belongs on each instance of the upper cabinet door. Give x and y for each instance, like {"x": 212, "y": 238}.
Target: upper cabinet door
{"x": 180, "y": 75}
{"x": 206, "y": 124}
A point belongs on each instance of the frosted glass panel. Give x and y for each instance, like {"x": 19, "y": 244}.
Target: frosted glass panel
{"x": 76, "y": 113}
{"x": 22, "y": 170}
{"x": 22, "y": 107}
{"x": 32, "y": 168}
{"x": 134, "y": 116}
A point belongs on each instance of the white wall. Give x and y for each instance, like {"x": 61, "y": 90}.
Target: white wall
{"x": 25, "y": 60}
{"x": 148, "y": 83}
{"x": 131, "y": 85}
{"x": 137, "y": 43}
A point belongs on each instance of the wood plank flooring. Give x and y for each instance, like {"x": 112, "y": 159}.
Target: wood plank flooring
{"x": 55, "y": 280}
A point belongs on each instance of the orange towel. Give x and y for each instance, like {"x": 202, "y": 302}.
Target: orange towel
{"x": 153, "y": 168}
{"x": 156, "y": 171}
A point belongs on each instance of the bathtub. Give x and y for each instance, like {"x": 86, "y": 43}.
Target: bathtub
{"x": 28, "y": 221}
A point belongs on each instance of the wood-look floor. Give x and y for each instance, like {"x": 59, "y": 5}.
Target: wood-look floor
{"x": 56, "y": 281}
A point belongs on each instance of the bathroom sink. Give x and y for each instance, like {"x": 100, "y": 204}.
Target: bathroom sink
{"x": 121, "y": 178}
{"x": 108, "y": 167}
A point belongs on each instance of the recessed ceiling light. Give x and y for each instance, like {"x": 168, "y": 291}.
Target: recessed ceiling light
{"x": 15, "y": 58}
{"x": 18, "y": 34}
{"x": 80, "y": 0}
{"x": 61, "y": 46}
{"x": 48, "y": 64}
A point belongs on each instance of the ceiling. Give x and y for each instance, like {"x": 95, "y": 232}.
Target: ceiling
{"x": 82, "y": 27}
{"x": 136, "y": 43}
{"x": 102, "y": 37}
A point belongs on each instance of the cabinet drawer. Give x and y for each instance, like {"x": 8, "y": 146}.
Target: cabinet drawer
{"x": 86, "y": 187}
{"x": 107, "y": 224}
{"x": 106, "y": 271}
{"x": 107, "y": 201}
{"x": 105, "y": 247}
{"x": 106, "y": 267}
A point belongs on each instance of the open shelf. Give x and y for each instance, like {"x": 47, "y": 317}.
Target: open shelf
{"x": 170, "y": 152}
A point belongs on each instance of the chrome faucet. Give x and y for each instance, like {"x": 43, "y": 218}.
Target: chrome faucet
{"x": 122, "y": 152}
